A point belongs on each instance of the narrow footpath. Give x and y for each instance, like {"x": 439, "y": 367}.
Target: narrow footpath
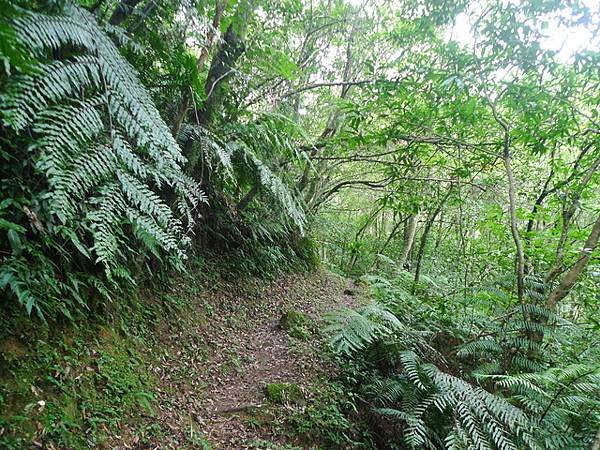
{"x": 214, "y": 366}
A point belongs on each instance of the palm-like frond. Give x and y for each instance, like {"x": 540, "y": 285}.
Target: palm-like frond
{"x": 352, "y": 330}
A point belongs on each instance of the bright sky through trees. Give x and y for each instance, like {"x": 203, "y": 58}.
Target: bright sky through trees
{"x": 562, "y": 33}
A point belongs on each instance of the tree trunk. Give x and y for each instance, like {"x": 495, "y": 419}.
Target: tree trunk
{"x": 425, "y": 235}
{"x": 571, "y": 277}
{"x": 122, "y": 11}
{"x": 408, "y": 238}
{"x": 392, "y": 235}
{"x": 512, "y": 199}
{"x": 221, "y": 69}
{"x": 245, "y": 201}
{"x": 187, "y": 99}
{"x": 567, "y": 216}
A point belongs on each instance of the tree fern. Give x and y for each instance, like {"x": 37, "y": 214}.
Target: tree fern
{"x": 108, "y": 157}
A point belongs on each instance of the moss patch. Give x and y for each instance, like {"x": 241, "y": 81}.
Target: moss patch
{"x": 71, "y": 390}
{"x": 284, "y": 393}
{"x": 296, "y": 324}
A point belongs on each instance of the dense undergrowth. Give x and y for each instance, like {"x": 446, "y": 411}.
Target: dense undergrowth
{"x": 69, "y": 385}
{"x": 66, "y": 385}
{"x": 465, "y": 374}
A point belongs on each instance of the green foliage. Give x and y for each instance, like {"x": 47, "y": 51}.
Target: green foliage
{"x": 246, "y": 154}
{"x": 104, "y": 159}
{"x": 562, "y": 397}
{"x": 75, "y": 389}
{"x": 296, "y": 324}
{"x": 437, "y": 407}
{"x": 354, "y": 329}
{"x": 477, "y": 384}
{"x": 256, "y": 215}
{"x": 284, "y": 393}
{"x": 87, "y": 141}
{"x": 427, "y": 145}
{"x": 328, "y": 420}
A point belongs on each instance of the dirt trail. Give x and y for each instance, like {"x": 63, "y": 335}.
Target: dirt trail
{"x": 269, "y": 358}
{"x": 217, "y": 365}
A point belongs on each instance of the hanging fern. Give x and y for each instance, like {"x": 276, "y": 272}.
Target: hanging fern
{"x": 212, "y": 145}
{"x": 274, "y": 186}
{"x": 109, "y": 159}
{"x": 248, "y": 144}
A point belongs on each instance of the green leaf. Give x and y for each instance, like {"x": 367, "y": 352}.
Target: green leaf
{"x": 15, "y": 242}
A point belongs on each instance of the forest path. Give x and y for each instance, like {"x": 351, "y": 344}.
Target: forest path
{"x": 214, "y": 368}
{"x": 267, "y": 356}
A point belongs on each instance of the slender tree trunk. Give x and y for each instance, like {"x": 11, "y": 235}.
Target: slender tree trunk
{"x": 567, "y": 216}
{"x": 245, "y": 201}
{"x": 512, "y": 199}
{"x": 408, "y": 238}
{"x": 332, "y": 122}
{"x": 546, "y": 190}
{"x": 425, "y": 235}
{"x": 392, "y": 235}
{"x": 440, "y": 235}
{"x": 187, "y": 99}
{"x": 520, "y": 258}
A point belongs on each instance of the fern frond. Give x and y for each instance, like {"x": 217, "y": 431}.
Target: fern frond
{"x": 351, "y": 331}
{"x": 103, "y": 147}
{"x": 275, "y": 186}
{"x": 482, "y": 346}
{"x": 481, "y": 420}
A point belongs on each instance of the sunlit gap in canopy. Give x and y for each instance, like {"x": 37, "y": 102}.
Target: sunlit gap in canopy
{"x": 567, "y": 32}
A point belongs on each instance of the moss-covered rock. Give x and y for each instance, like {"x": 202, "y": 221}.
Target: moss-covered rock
{"x": 284, "y": 393}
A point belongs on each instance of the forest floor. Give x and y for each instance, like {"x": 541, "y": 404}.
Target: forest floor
{"x": 214, "y": 363}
